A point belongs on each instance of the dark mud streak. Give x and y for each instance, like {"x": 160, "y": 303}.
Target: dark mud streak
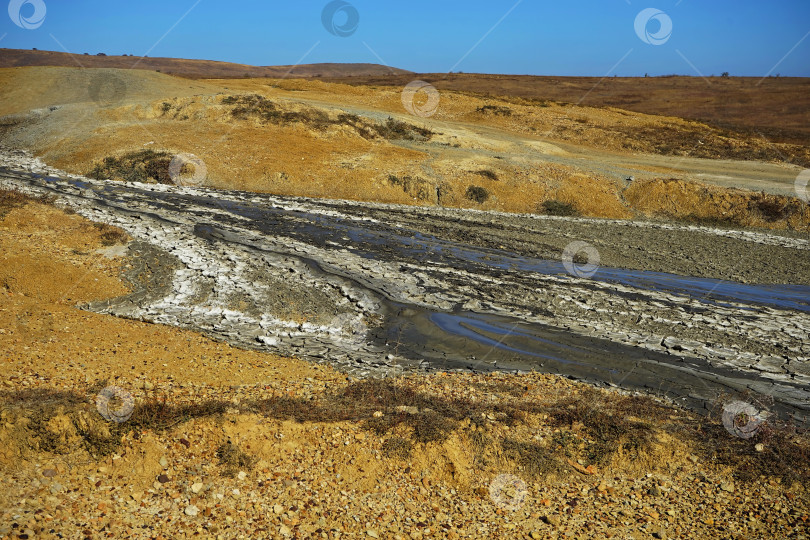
{"x": 455, "y": 338}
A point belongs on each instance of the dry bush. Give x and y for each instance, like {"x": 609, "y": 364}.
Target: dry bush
{"x": 477, "y": 194}
{"x": 110, "y": 235}
{"x": 146, "y": 166}
{"x": 234, "y": 459}
{"x": 553, "y": 207}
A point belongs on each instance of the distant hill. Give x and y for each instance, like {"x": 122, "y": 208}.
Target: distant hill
{"x": 194, "y": 69}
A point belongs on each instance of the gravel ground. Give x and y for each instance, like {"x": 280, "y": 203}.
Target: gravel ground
{"x": 333, "y": 480}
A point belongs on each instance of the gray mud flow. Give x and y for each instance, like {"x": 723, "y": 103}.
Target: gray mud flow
{"x": 696, "y": 315}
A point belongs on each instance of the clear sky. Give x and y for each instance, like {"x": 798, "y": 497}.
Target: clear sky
{"x": 539, "y": 37}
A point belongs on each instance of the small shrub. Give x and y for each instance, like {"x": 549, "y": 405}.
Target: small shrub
{"x": 415, "y": 187}
{"x": 140, "y": 166}
{"x": 10, "y": 199}
{"x": 430, "y": 426}
{"x": 110, "y": 235}
{"x": 554, "y": 207}
{"x": 233, "y": 459}
{"x": 535, "y": 459}
{"x": 396, "y": 130}
{"x": 477, "y": 194}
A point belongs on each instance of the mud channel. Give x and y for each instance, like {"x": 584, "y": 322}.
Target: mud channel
{"x": 692, "y": 314}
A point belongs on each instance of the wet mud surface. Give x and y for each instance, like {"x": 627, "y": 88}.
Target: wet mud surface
{"x": 689, "y": 313}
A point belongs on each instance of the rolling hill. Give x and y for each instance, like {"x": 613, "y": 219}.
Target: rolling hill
{"x": 195, "y": 69}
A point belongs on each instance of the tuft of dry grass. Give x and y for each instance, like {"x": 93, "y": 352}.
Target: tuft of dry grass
{"x": 234, "y": 459}
{"x": 110, "y": 235}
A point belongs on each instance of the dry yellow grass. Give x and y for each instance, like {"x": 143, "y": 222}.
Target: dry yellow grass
{"x": 502, "y": 146}
{"x": 702, "y": 203}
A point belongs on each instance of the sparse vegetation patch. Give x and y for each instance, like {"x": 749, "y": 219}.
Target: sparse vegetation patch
{"x": 416, "y": 187}
{"x": 496, "y": 110}
{"x": 265, "y": 110}
{"x": 477, "y": 194}
{"x": 148, "y": 166}
{"x": 553, "y": 207}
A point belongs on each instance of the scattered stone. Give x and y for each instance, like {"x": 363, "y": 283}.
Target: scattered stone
{"x": 192, "y": 510}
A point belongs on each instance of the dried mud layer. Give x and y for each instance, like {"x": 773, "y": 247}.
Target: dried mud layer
{"x": 224, "y": 442}
{"x": 382, "y": 289}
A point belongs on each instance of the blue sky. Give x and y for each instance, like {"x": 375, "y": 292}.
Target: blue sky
{"x": 540, "y": 37}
